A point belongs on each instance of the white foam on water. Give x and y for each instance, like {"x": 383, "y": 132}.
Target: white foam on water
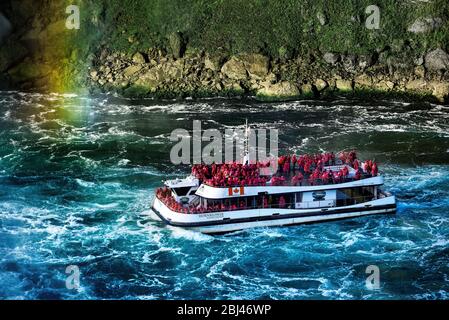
{"x": 86, "y": 184}
{"x": 64, "y": 228}
{"x": 268, "y": 232}
{"x": 178, "y": 233}
{"x": 106, "y": 206}
{"x": 123, "y": 162}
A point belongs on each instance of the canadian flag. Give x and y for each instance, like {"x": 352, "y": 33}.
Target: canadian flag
{"x": 236, "y": 191}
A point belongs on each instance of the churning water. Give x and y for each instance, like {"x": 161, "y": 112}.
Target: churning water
{"x": 76, "y": 172}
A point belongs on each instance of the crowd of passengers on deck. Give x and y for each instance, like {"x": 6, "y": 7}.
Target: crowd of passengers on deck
{"x": 164, "y": 194}
{"x": 292, "y": 170}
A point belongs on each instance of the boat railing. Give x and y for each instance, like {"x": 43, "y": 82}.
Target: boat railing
{"x": 320, "y": 204}
{"x": 266, "y": 205}
{"x": 288, "y": 183}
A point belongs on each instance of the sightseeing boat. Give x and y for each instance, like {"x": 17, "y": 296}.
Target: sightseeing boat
{"x": 221, "y": 198}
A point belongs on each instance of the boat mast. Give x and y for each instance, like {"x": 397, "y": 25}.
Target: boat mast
{"x": 246, "y": 156}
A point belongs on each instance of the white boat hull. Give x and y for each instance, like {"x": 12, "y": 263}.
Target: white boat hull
{"x": 286, "y": 222}
{"x": 229, "y": 221}
{"x": 151, "y": 214}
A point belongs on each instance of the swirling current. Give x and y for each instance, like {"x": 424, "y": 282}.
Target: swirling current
{"x": 76, "y": 172}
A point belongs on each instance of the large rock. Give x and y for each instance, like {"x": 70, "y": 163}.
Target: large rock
{"x": 331, "y": 58}
{"x": 437, "y": 60}
{"x": 320, "y": 84}
{"x": 234, "y": 69}
{"x": 349, "y": 62}
{"x": 418, "y": 86}
{"x": 363, "y": 81}
{"x": 440, "y": 90}
{"x": 256, "y": 64}
{"x": 344, "y": 85}
{"x": 383, "y": 85}
{"x": 280, "y": 90}
{"x": 171, "y": 71}
{"x": 239, "y": 67}
{"x": 307, "y": 89}
{"x": 419, "y": 60}
{"x": 151, "y": 79}
{"x": 131, "y": 70}
{"x": 138, "y": 58}
{"x": 401, "y": 63}
{"x": 420, "y": 71}
{"x": 423, "y": 25}
{"x": 270, "y": 79}
{"x": 365, "y": 61}
{"x": 93, "y": 75}
{"x": 212, "y": 62}
{"x": 176, "y": 44}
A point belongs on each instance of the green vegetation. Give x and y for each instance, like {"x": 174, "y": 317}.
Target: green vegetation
{"x": 272, "y": 27}
{"x": 43, "y": 51}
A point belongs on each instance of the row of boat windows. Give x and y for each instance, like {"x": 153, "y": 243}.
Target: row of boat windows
{"x": 350, "y": 193}
{"x": 341, "y": 193}
{"x": 343, "y": 197}
{"x": 351, "y": 196}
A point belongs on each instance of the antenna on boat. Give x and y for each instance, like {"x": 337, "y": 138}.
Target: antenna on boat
{"x": 246, "y": 156}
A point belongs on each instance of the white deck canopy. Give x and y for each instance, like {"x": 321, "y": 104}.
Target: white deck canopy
{"x": 209, "y": 192}
{"x": 190, "y": 181}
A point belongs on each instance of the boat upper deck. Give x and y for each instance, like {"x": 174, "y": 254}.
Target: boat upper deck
{"x": 292, "y": 174}
{"x": 206, "y": 191}
{"x": 303, "y": 170}
{"x": 237, "y": 198}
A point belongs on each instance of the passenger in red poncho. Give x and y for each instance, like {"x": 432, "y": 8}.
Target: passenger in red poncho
{"x": 355, "y": 165}
{"x": 374, "y": 170}
{"x": 286, "y": 167}
{"x": 307, "y": 167}
{"x": 281, "y": 202}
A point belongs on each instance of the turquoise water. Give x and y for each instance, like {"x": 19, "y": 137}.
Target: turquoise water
{"x": 76, "y": 173}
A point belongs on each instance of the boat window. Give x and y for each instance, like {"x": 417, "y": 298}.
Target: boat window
{"x": 214, "y": 203}
{"x": 181, "y": 191}
{"x": 350, "y": 196}
{"x": 281, "y": 200}
{"x": 368, "y": 191}
{"x": 191, "y": 192}
{"x": 344, "y": 194}
{"x": 251, "y": 202}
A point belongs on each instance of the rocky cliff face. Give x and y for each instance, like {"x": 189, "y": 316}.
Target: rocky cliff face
{"x": 38, "y": 52}
{"x": 198, "y": 74}
{"x": 140, "y": 48}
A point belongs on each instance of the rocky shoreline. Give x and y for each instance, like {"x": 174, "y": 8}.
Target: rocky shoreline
{"x": 141, "y": 57}
{"x": 198, "y": 74}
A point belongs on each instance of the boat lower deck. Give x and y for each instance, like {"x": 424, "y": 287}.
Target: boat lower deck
{"x": 223, "y": 222}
